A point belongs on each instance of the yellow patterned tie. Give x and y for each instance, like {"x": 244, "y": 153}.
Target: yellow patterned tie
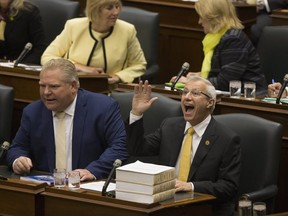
{"x": 60, "y": 141}
{"x": 2, "y": 29}
{"x": 185, "y": 159}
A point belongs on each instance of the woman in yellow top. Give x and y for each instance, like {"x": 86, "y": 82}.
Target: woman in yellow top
{"x": 229, "y": 53}
{"x": 100, "y": 43}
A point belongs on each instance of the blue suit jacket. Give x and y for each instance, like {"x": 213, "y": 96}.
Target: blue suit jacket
{"x": 99, "y": 136}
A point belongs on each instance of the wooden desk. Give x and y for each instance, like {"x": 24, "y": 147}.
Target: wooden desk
{"x": 181, "y": 36}
{"x": 279, "y": 17}
{"x": 19, "y": 197}
{"x": 26, "y": 88}
{"x": 63, "y": 202}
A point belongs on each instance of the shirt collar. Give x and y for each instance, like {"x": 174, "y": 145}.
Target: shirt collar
{"x": 199, "y": 128}
{"x": 70, "y": 109}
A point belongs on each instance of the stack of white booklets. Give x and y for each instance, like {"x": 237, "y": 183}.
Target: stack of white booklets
{"x": 145, "y": 183}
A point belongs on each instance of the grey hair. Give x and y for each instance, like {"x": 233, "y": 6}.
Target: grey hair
{"x": 67, "y": 68}
{"x": 210, "y": 89}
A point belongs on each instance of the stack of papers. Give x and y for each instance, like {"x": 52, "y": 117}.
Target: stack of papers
{"x": 97, "y": 186}
{"x": 27, "y": 67}
{"x": 273, "y": 100}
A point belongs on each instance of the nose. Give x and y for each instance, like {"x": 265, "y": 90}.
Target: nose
{"x": 188, "y": 96}
{"x": 47, "y": 90}
{"x": 116, "y": 10}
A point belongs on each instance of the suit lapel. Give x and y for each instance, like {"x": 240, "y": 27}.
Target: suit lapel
{"x": 179, "y": 136}
{"x": 49, "y": 138}
{"x": 204, "y": 147}
{"x": 78, "y": 126}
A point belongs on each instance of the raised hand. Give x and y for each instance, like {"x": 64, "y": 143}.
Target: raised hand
{"x": 142, "y": 100}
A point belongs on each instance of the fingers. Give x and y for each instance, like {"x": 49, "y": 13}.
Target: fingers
{"x": 85, "y": 175}
{"x": 183, "y": 186}
{"x": 143, "y": 88}
{"x": 172, "y": 79}
{"x": 22, "y": 165}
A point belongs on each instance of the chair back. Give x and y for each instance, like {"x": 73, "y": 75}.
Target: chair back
{"x": 261, "y": 142}
{"x": 162, "y": 108}
{"x": 54, "y": 15}
{"x": 147, "y": 25}
{"x": 272, "y": 48}
{"x": 6, "y": 112}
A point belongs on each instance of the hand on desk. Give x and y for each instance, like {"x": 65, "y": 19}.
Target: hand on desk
{"x": 85, "y": 175}
{"x": 273, "y": 90}
{"x": 88, "y": 69}
{"x": 183, "y": 186}
{"x": 22, "y": 165}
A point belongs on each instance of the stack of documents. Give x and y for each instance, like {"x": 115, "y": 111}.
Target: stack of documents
{"x": 145, "y": 182}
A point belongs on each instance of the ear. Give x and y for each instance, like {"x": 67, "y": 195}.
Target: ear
{"x": 74, "y": 86}
{"x": 210, "y": 103}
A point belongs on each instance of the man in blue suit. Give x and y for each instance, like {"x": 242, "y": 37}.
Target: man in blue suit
{"x": 215, "y": 157}
{"x": 95, "y": 132}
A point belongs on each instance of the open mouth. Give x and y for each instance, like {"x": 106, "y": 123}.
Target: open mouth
{"x": 189, "y": 108}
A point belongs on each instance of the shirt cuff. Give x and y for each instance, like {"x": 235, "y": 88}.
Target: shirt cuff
{"x": 14, "y": 162}
{"x": 133, "y": 118}
{"x": 267, "y": 6}
{"x": 192, "y": 186}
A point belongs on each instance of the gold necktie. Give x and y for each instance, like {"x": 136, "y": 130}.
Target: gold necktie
{"x": 185, "y": 159}
{"x": 60, "y": 141}
{"x": 2, "y": 29}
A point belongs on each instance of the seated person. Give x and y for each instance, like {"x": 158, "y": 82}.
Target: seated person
{"x": 229, "y": 54}
{"x": 274, "y": 88}
{"x": 20, "y": 23}
{"x": 100, "y": 43}
{"x": 94, "y": 130}
{"x": 213, "y": 165}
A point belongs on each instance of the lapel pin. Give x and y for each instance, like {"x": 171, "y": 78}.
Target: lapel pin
{"x": 207, "y": 142}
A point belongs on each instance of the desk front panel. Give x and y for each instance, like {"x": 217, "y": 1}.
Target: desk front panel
{"x": 21, "y": 198}
{"x": 86, "y": 203}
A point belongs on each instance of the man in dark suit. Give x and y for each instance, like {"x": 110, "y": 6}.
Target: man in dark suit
{"x": 265, "y": 7}
{"x": 95, "y": 132}
{"x": 215, "y": 154}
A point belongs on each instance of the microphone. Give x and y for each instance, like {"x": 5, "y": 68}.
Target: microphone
{"x": 117, "y": 163}
{"x": 285, "y": 81}
{"x": 182, "y": 72}
{"x": 26, "y": 49}
{"x": 3, "y": 150}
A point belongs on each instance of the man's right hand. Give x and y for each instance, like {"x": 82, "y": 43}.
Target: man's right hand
{"x": 142, "y": 100}
{"x": 273, "y": 89}
{"x": 22, "y": 165}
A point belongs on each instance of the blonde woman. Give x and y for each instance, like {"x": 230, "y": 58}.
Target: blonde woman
{"x": 229, "y": 54}
{"x": 100, "y": 43}
{"x": 20, "y": 23}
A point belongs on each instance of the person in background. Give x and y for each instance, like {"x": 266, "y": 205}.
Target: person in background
{"x": 100, "y": 43}
{"x": 95, "y": 133}
{"x": 20, "y": 23}
{"x": 264, "y": 8}
{"x": 229, "y": 54}
{"x": 274, "y": 89}
{"x": 215, "y": 153}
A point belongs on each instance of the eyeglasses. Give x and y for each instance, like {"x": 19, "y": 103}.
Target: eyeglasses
{"x": 194, "y": 93}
